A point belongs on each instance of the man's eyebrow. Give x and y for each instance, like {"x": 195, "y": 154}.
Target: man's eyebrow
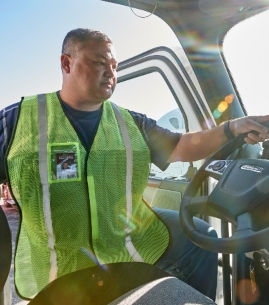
{"x": 112, "y": 58}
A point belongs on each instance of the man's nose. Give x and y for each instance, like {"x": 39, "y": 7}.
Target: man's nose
{"x": 110, "y": 71}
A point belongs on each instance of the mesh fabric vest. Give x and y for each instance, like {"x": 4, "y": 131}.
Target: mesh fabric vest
{"x": 101, "y": 212}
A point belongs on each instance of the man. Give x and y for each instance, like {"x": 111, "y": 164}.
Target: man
{"x": 100, "y": 210}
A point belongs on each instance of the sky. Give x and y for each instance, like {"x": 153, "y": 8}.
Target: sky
{"x": 32, "y": 32}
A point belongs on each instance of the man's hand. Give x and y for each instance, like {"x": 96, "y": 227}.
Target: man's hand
{"x": 256, "y": 128}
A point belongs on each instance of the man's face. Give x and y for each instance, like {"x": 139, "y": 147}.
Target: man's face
{"x": 93, "y": 71}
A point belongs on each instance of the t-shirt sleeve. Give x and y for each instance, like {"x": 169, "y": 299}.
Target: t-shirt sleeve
{"x": 161, "y": 141}
{"x": 8, "y": 118}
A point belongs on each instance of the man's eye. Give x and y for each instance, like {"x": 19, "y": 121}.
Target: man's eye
{"x": 99, "y": 63}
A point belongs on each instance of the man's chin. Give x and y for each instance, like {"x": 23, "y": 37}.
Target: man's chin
{"x": 107, "y": 94}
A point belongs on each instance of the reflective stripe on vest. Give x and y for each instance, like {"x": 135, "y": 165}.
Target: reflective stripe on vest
{"x": 129, "y": 174}
{"x": 43, "y": 170}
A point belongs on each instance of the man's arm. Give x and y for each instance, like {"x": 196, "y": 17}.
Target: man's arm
{"x": 161, "y": 141}
{"x": 8, "y": 118}
{"x": 194, "y": 146}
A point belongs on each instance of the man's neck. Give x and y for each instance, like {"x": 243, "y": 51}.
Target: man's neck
{"x": 79, "y": 104}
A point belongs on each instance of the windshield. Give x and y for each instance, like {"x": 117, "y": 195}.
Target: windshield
{"x": 246, "y": 49}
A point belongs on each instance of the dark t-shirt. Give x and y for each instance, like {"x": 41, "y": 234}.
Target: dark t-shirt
{"x": 160, "y": 141}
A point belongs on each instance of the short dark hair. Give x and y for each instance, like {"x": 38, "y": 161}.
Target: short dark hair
{"x": 81, "y": 36}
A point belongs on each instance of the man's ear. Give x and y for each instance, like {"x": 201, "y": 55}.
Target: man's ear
{"x": 65, "y": 62}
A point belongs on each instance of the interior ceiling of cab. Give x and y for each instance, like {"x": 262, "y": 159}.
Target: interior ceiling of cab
{"x": 209, "y": 19}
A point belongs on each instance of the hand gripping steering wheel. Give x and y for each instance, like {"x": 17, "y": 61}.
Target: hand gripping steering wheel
{"x": 240, "y": 197}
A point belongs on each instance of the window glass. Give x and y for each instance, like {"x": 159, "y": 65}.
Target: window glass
{"x": 150, "y": 95}
{"x": 246, "y": 49}
{"x": 147, "y": 94}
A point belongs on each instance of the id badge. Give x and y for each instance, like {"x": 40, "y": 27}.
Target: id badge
{"x": 64, "y": 162}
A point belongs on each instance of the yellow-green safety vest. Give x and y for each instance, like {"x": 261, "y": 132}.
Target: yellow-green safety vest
{"x": 79, "y": 209}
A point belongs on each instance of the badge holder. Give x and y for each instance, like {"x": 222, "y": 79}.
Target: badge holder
{"x": 64, "y": 162}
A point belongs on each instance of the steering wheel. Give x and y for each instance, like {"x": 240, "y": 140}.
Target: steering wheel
{"x": 239, "y": 197}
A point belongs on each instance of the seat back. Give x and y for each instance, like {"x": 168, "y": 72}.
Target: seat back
{"x": 5, "y": 251}
{"x": 97, "y": 285}
{"x": 119, "y": 284}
